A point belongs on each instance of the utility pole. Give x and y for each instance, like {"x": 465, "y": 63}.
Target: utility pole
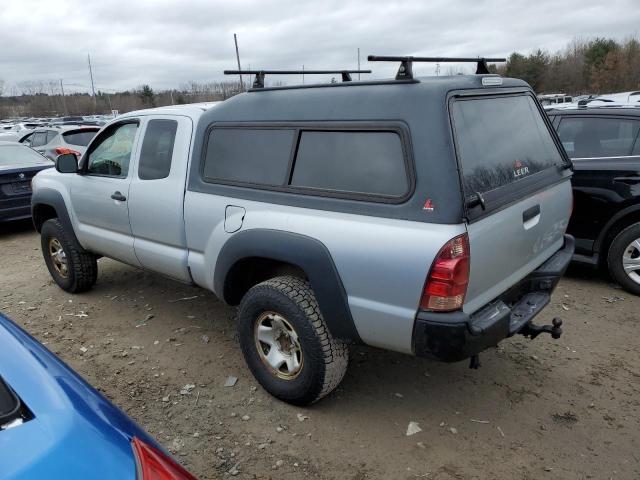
{"x": 64, "y": 100}
{"x": 93, "y": 89}
{"x": 235, "y": 40}
{"x": 358, "y": 63}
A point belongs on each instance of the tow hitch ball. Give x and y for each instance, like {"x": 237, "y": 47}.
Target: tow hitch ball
{"x": 532, "y": 331}
{"x": 529, "y": 330}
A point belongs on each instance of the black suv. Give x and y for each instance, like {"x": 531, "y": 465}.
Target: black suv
{"x": 604, "y": 145}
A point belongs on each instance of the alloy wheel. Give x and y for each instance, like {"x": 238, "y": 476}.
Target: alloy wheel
{"x": 631, "y": 260}
{"x": 58, "y": 257}
{"x": 278, "y": 345}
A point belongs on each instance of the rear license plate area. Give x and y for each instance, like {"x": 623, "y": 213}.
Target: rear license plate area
{"x": 21, "y": 187}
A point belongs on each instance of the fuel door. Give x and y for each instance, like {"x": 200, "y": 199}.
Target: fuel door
{"x": 233, "y": 218}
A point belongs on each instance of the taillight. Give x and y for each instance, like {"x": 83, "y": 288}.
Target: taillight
{"x": 155, "y": 465}
{"x": 447, "y": 282}
{"x": 64, "y": 150}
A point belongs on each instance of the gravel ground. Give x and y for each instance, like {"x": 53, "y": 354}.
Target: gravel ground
{"x": 543, "y": 409}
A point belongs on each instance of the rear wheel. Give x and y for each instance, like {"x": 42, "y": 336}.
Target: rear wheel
{"x": 286, "y": 342}
{"x": 623, "y": 259}
{"x": 73, "y": 268}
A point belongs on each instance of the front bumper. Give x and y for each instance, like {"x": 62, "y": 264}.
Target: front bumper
{"x": 455, "y": 336}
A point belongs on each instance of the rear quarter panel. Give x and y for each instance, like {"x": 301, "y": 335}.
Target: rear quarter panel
{"x": 383, "y": 263}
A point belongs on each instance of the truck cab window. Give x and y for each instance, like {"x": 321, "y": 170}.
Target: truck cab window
{"x": 112, "y": 153}
{"x": 157, "y": 149}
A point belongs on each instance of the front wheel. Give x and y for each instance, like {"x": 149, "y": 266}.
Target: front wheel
{"x": 73, "y": 268}
{"x": 286, "y": 342}
{"x": 623, "y": 259}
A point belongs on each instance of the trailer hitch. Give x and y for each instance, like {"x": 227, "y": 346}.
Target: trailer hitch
{"x": 532, "y": 331}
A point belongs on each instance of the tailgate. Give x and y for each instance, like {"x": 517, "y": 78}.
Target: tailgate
{"x": 516, "y": 183}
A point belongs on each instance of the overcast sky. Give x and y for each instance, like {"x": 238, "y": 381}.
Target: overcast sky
{"x": 166, "y": 43}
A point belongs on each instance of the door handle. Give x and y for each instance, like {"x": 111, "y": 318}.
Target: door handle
{"x": 118, "y": 196}
{"x": 530, "y": 213}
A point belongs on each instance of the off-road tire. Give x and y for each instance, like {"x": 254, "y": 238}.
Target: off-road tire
{"x": 325, "y": 358}
{"x": 615, "y": 254}
{"x": 82, "y": 267}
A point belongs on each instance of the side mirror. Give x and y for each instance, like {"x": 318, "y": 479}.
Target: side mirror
{"x": 67, "y": 163}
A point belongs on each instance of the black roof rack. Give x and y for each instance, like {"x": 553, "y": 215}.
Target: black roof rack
{"x": 405, "y": 72}
{"x": 258, "y": 82}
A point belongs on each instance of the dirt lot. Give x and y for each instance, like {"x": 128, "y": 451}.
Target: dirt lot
{"x": 543, "y": 409}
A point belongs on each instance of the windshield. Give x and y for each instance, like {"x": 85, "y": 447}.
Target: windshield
{"x": 20, "y": 155}
{"x": 500, "y": 141}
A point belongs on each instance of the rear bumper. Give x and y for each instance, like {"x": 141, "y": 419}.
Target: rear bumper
{"x": 455, "y": 336}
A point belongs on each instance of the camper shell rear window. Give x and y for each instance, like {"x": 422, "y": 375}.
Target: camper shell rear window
{"x": 501, "y": 140}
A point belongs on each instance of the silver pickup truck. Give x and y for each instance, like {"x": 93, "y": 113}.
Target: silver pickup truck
{"x": 420, "y": 215}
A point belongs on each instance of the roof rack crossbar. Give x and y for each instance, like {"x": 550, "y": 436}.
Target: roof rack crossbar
{"x": 405, "y": 72}
{"x": 258, "y": 82}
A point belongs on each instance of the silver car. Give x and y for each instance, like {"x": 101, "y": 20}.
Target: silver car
{"x": 54, "y": 141}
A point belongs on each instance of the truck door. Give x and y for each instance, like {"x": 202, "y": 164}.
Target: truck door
{"x": 156, "y": 203}
{"x": 100, "y": 194}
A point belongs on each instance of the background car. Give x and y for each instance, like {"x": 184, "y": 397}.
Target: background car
{"x": 54, "y": 141}
{"x": 53, "y": 424}
{"x": 70, "y": 120}
{"x": 604, "y": 145}
{"x": 18, "y": 165}
{"x": 8, "y": 136}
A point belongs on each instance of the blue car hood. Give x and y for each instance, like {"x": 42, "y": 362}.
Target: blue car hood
{"x": 76, "y": 433}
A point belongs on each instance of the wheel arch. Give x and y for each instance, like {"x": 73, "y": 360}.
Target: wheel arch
{"x": 252, "y": 256}
{"x": 47, "y": 204}
{"x": 621, "y": 220}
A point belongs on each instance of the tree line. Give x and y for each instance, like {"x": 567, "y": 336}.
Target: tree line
{"x": 45, "y": 98}
{"x": 599, "y": 65}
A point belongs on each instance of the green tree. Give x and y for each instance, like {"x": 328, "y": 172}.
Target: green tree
{"x": 597, "y": 51}
{"x": 535, "y": 69}
{"x": 147, "y": 96}
{"x": 515, "y": 65}
{"x": 531, "y": 69}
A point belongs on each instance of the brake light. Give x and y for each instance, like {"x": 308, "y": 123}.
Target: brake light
{"x": 155, "y": 465}
{"x": 64, "y": 150}
{"x": 447, "y": 282}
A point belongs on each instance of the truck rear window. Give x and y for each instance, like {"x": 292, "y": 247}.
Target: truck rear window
{"x": 501, "y": 140}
